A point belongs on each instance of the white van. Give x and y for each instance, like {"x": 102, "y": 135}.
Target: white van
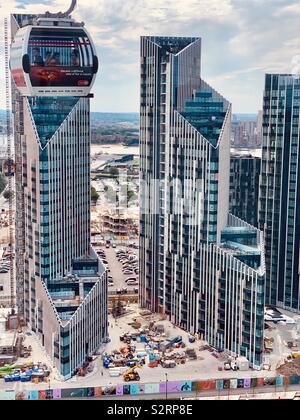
{"x": 114, "y": 372}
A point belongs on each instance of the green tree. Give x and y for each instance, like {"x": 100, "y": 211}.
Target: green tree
{"x": 131, "y": 195}
{"x": 8, "y": 194}
{"x": 3, "y": 182}
{"x": 114, "y": 171}
{"x": 94, "y": 194}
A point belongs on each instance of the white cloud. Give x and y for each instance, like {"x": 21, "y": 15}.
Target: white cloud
{"x": 242, "y": 39}
{"x": 291, "y": 9}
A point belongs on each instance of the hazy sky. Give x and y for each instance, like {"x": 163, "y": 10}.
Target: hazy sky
{"x": 241, "y": 40}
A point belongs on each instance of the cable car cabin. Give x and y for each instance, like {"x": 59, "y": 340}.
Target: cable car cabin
{"x": 53, "y": 60}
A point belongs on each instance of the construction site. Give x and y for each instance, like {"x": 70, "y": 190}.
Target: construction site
{"x": 152, "y": 346}
{"x": 142, "y": 348}
{"x": 17, "y": 351}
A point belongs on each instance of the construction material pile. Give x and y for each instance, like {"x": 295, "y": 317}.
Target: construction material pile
{"x": 290, "y": 367}
{"x": 25, "y": 373}
{"x": 87, "y": 367}
{"x": 148, "y": 346}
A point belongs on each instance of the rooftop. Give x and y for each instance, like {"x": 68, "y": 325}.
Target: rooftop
{"x": 7, "y": 339}
{"x": 173, "y": 45}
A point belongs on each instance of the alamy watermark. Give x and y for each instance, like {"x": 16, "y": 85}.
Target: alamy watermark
{"x": 181, "y": 197}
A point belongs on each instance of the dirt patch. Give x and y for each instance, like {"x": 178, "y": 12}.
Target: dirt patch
{"x": 289, "y": 368}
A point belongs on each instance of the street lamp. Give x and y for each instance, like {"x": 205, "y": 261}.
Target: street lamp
{"x": 49, "y": 389}
{"x": 166, "y": 386}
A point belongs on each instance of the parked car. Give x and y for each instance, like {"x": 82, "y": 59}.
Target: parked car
{"x": 132, "y": 283}
{"x": 121, "y": 291}
{"x": 121, "y": 254}
{"x": 130, "y": 278}
{"x": 175, "y": 339}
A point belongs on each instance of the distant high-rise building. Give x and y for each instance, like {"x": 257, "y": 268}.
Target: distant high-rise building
{"x": 259, "y": 130}
{"x": 244, "y": 184}
{"x": 247, "y": 133}
{"x": 199, "y": 265}
{"x": 279, "y": 214}
{"x": 61, "y": 283}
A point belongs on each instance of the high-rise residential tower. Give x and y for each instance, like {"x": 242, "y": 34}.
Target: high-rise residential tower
{"x": 279, "y": 214}
{"x": 199, "y": 265}
{"x": 61, "y": 283}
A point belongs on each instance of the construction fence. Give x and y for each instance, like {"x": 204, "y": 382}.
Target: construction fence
{"x": 163, "y": 388}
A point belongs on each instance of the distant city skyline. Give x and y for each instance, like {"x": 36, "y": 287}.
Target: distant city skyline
{"x": 240, "y": 38}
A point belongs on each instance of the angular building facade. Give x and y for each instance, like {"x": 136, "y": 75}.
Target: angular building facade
{"x": 61, "y": 283}
{"x": 244, "y": 185}
{"x": 199, "y": 265}
{"x": 279, "y": 213}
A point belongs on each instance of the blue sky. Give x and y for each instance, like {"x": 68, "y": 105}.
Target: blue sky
{"x": 241, "y": 41}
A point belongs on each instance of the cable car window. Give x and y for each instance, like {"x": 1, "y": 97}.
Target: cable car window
{"x": 60, "y": 57}
{"x": 16, "y": 52}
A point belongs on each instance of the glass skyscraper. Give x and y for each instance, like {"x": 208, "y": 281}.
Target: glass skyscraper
{"x": 199, "y": 265}
{"x": 279, "y": 214}
{"x": 61, "y": 283}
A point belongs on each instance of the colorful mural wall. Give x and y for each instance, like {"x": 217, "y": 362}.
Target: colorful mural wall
{"x": 152, "y": 389}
